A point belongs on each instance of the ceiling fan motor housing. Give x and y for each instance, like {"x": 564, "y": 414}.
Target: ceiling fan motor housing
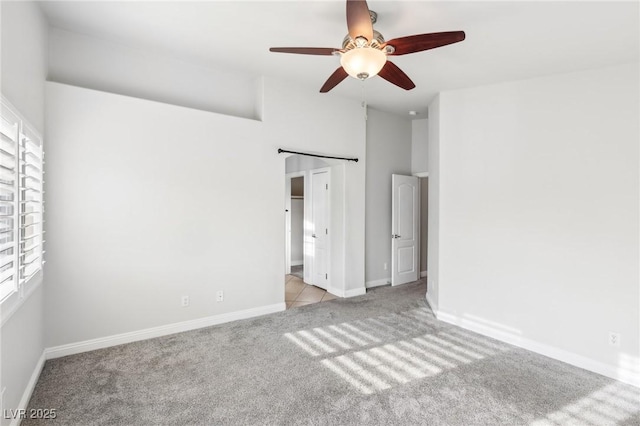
{"x": 378, "y": 41}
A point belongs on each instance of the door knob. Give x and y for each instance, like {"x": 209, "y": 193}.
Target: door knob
{"x": 313, "y": 235}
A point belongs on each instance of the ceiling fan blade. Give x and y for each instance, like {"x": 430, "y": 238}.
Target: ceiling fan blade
{"x": 395, "y": 75}
{"x": 335, "y": 79}
{"x": 305, "y": 50}
{"x": 359, "y": 19}
{"x": 420, "y": 42}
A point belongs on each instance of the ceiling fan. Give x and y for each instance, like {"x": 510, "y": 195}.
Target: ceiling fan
{"x": 364, "y": 51}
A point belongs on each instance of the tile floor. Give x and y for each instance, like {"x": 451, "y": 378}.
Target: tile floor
{"x": 298, "y": 293}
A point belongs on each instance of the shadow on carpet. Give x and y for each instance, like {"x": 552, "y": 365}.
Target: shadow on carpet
{"x": 381, "y": 358}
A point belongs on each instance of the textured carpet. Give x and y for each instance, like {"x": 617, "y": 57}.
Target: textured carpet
{"x": 381, "y": 358}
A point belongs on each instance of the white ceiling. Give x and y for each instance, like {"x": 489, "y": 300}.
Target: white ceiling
{"x": 505, "y": 40}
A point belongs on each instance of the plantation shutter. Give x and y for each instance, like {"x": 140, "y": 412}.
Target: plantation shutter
{"x": 31, "y": 204}
{"x": 21, "y": 202}
{"x": 9, "y": 134}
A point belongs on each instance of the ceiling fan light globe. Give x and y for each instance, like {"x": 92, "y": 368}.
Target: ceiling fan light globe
{"x": 363, "y": 61}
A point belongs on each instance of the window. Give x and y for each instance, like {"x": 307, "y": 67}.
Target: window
{"x": 21, "y": 202}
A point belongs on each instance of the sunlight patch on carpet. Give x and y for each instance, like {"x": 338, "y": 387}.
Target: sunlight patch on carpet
{"x": 355, "y": 351}
{"x": 610, "y": 405}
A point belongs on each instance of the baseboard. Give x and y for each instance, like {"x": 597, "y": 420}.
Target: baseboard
{"x": 335, "y": 291}
{"x": 296, "y": 262}
{"x": 574, "y": 359}
{"x": 423, "y": 274}
{"x": 28, "y": 391}
{"x": 377, "y": 283}
{"x": 164, "y": 330}
{"x": 432, "y": 306}
{"x": 346, "y": 293}
{"x": 355, "y": 292}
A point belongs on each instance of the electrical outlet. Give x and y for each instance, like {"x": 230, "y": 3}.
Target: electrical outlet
{"x": 614, "y": 339}
{"x": 219, "y": 296}
{"x": 185, "y": 301}
{"x": 385, "y": 266}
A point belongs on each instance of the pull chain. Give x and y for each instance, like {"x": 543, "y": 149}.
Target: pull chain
{"x": 364, "y": 99}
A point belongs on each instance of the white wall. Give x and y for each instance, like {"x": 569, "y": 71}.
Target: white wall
{"x": 141, "y": 188}
{"x": 149, "y": 186}
{"x": 23, "y": 346}
{"x": 23, "y": 70}
{"x": 97, "y": 64}
{"x": 24, "y": 59}
{"x": 388, "y": 152}
{"x": 420, "y": 146}
{"x": 538, "y": 214}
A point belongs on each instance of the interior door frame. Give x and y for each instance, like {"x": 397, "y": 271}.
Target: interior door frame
{"x": 421, "y": 176}
{"x": 309, "y": 219}
{"x": 287, "y": 220}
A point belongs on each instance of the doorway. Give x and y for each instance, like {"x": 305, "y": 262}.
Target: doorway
{"x": 424, "y": 223}
{"x": 294, "y": 221}
{"x": 296, "y": 231}
{"x": 308, "y": 234}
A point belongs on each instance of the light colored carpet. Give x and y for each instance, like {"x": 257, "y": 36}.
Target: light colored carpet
{"x": 381, "y": 358}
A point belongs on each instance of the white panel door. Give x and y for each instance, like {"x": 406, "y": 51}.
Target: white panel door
{"x": 405, "y": 231}
{"x": 320, "y": 228}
